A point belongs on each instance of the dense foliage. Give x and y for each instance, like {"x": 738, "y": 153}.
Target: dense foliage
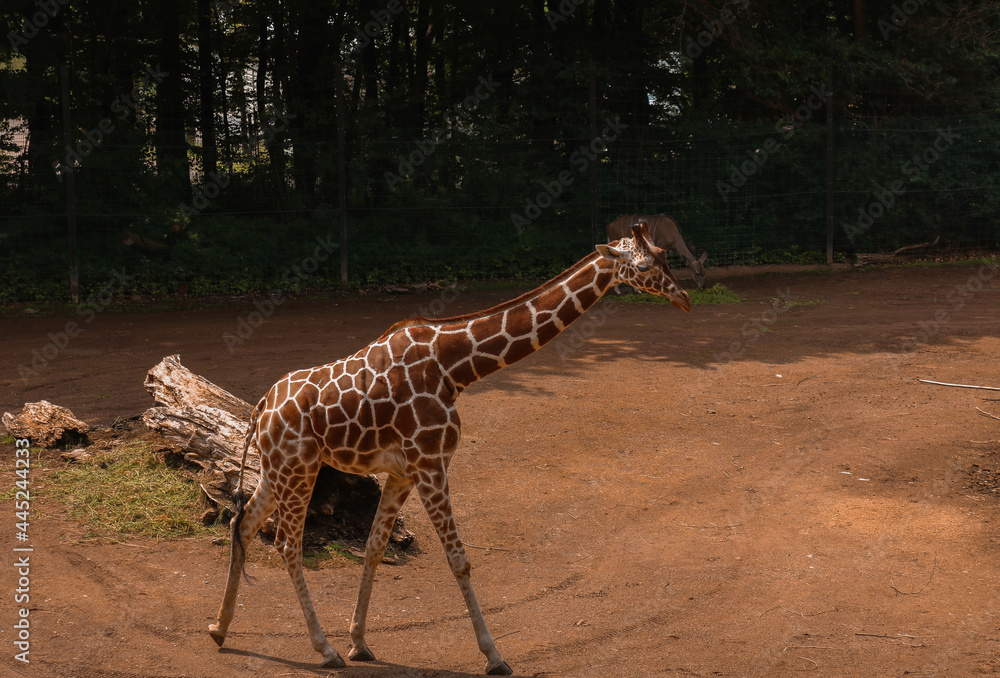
{"x": 205, "y": 158}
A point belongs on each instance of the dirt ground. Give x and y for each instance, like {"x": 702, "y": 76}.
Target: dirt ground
{"x": 762, "y": 489}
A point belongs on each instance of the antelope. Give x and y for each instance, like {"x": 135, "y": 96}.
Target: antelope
{"x": 665, "y": 234}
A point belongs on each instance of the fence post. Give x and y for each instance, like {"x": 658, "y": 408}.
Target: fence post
{"x": 70, "y": 173}
{"x": 829, "y": 162}
{"x": 341, "y": 174}
{"x": 593, "y": 165}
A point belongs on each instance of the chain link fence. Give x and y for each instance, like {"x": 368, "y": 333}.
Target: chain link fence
{"x": 471, "y": 195}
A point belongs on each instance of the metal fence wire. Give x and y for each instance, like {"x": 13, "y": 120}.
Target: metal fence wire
{"x": 469, "y": 195}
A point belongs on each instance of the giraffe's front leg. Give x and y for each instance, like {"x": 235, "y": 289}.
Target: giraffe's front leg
{"x": 438, "y": 505}
{"x": 393, "y": 495}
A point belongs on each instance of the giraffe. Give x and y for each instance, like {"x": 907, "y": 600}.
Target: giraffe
{"x": 390, "y": 408}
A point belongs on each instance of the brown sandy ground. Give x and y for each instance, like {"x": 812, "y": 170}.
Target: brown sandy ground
{"x": 654, "y": 494}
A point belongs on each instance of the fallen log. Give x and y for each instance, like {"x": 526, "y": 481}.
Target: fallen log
{"x": 173, "y": 385}
{"x": 209, "y": 424}
{"x": 45, "y": 424}
{"x": 212, "y": 438}
{"x": 870, "y": 258}
{"x": 918, "y": 248}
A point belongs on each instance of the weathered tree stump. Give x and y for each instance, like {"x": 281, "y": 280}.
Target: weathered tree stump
{"x": 210, "y": 424}
{"x": 45, "y": 424}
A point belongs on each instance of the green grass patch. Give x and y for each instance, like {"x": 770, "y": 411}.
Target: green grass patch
{"x": 716, "y": 294}
{"x": 799, "y": 302}
{"x": 330, "y": 555}
{"x": 128, "y": 491}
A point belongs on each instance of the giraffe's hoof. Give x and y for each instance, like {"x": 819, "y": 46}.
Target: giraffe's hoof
{"x": 217, "y": 636}
{"x": 334, "y": 662}
{"x": 362, "y": 655}
{"x": 501, "y": 669}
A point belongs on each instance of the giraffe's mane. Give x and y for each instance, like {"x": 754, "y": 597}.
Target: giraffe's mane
{"x": 421, "y": 321}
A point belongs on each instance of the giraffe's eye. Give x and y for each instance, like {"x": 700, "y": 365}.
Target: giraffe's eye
{"x": 643, "y": 268}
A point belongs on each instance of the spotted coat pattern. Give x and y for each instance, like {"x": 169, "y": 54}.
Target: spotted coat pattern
{"x": 390, "y": 408}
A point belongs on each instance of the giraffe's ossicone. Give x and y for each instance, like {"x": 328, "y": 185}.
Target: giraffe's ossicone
{"x": 390, "y": 408}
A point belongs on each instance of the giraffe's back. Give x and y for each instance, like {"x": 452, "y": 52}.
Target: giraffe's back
{"x": 367, "y": 413}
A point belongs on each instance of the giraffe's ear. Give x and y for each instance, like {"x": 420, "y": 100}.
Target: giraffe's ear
{"x": 611, "y": 253}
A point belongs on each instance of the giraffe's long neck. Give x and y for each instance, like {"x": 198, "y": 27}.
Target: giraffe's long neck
{"x": 470, "y": 347}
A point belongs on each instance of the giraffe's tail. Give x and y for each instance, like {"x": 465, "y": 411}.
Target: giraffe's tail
{"x": 247, "y": 440}
{"x": 240, "y": 498}
{"x": 239, "y": 553}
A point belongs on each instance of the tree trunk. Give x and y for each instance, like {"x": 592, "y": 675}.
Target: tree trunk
{"x": 309, "y": 23}
{"x": 418, "y": 83}
{"x": 171, "y": 144}
{"x": 859, "y": 20}
{"x": 279, "y": 98}
{"x": 209, "y": 150}
{"x": 369, "y": 61}
{"x": 210, "y": 424}
{"x": 260, "y": 87}
{"x": 40, "y": 109}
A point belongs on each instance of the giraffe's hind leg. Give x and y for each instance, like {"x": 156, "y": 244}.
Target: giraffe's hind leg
{"x": 293, "y": 501}
{"x": 393, "y": 495}
{"x": 244, "y": 525}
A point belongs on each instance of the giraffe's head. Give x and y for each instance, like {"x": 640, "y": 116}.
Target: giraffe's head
{"x": 641, "y": 264}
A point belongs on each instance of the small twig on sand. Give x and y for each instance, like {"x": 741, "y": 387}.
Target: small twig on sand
{"x": 899, "y": 636}
{"x": 712, "y": 526}
{"x": 941, "y": 383}
{"x": 507, "y": 634}
{"x": 987, "y": 414}
{"x": 485, "y": 548}
{"x": 926, "y": 584}
{"x": 801, "y": 614}
{"x": 810, "y": 377}
{"x": 815, "y": 664}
